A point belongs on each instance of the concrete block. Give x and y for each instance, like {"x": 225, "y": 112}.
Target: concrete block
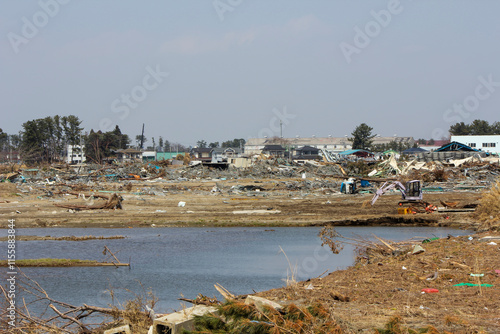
{"x": 175, "y": 322}
{"x": 259, "y": 302}
{"x": 125, "y": 329}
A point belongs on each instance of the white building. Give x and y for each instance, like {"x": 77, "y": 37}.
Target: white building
{"x": 76, "y": 154}
{"x": 490, "y": 143}
{"x": 331, "y": 144}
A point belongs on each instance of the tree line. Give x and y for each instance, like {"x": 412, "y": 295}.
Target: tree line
{"x": 362, "y": 137}
{"x": 46, "y": 139}
{"x": 476, "y": 128}
{"x": 237, "y": 142}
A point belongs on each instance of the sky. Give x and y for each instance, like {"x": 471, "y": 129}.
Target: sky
{"x": 222, "y": 69}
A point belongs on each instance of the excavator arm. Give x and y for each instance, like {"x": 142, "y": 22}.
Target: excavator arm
{"x": 386, "y": 187}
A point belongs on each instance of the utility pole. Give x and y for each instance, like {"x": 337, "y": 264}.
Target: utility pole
{"x": 142, "y": 136}
{"x": 281, "y": 128}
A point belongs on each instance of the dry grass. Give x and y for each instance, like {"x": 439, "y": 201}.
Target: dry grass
{"x": 488, "y": 211}
{"x": 238, "y": 317}
{"x": 385, "y": 284}
{"x": 8, "y": 190}
{"x": 291, "y": 274}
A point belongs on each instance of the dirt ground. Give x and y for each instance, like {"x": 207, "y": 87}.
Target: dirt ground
{"x": 273, "y": 205}
{"x": 381, "y": 286}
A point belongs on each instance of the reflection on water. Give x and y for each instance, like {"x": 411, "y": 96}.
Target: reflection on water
{"x": 188, "y": 261}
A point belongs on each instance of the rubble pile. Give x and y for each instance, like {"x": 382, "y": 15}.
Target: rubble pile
{"x": 159, "y": 179}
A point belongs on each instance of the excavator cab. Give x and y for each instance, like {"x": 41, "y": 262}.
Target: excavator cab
{"x": 413, "y": 191}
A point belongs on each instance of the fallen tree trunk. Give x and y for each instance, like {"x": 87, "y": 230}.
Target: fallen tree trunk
{"x": 114, "y": 202}
{"x": 77, "y": 194}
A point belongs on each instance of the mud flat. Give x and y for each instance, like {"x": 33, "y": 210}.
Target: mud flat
{"x": 60, "y": 263}
{"x": 69, "y": 238}
{"x": 271, "y": 206}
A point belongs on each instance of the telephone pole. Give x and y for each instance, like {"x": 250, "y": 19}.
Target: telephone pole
{"x": 142, "y": 136}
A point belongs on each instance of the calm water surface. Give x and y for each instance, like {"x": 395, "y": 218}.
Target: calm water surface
{"x": 188, "y": 261}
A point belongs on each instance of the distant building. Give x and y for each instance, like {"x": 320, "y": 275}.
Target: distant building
{"x": 168, "y": 155}
{"x": 256, "y": 145}
{"x": 76, "y": 154}
{"x": 276, "y": 151}
{"x": 357, "y": 153}
{"x": 451, "y": 151}
{"x": 455, "y": 146}
{"x": 489, "y": 143}
{"x": 408, "y": 141}
{"x": 331, "y": 144}
{"x": 242, "y": 162}
{"x": 223, "y": 154}
{"x": 129, "y": 154}
{"x": 12, "y": 156}
{"x": 202, "y": 153}
{"x": 148, "y": 156}
{"x": 436, "y": 144}
{"x": 306, "y": 153}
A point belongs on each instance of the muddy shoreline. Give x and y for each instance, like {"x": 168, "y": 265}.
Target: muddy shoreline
{"x": 270, "y": 207}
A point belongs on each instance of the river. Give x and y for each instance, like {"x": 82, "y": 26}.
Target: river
{"x": 177, "y": 262}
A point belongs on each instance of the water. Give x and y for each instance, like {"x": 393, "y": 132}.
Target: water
{"x": 188, "y": 261}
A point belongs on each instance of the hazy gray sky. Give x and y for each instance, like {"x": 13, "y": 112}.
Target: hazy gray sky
{"x": 217, "y": 70}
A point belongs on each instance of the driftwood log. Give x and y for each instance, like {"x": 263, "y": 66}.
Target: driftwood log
{"x": 113, "y": 202}
{"x": 79, "y": 194}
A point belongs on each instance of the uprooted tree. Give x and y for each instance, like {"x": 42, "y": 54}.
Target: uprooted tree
{"x": 40, "y": 313}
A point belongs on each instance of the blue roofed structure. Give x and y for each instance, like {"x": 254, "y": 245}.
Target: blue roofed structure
{"x": 357, "y": 152}
{"x": 456, "y": 146}
{"x": 414, "y": 150}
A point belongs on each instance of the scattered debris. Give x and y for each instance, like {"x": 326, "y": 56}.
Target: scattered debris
{"x": 429, "y": 290}
{"x": 417, "y": 249}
